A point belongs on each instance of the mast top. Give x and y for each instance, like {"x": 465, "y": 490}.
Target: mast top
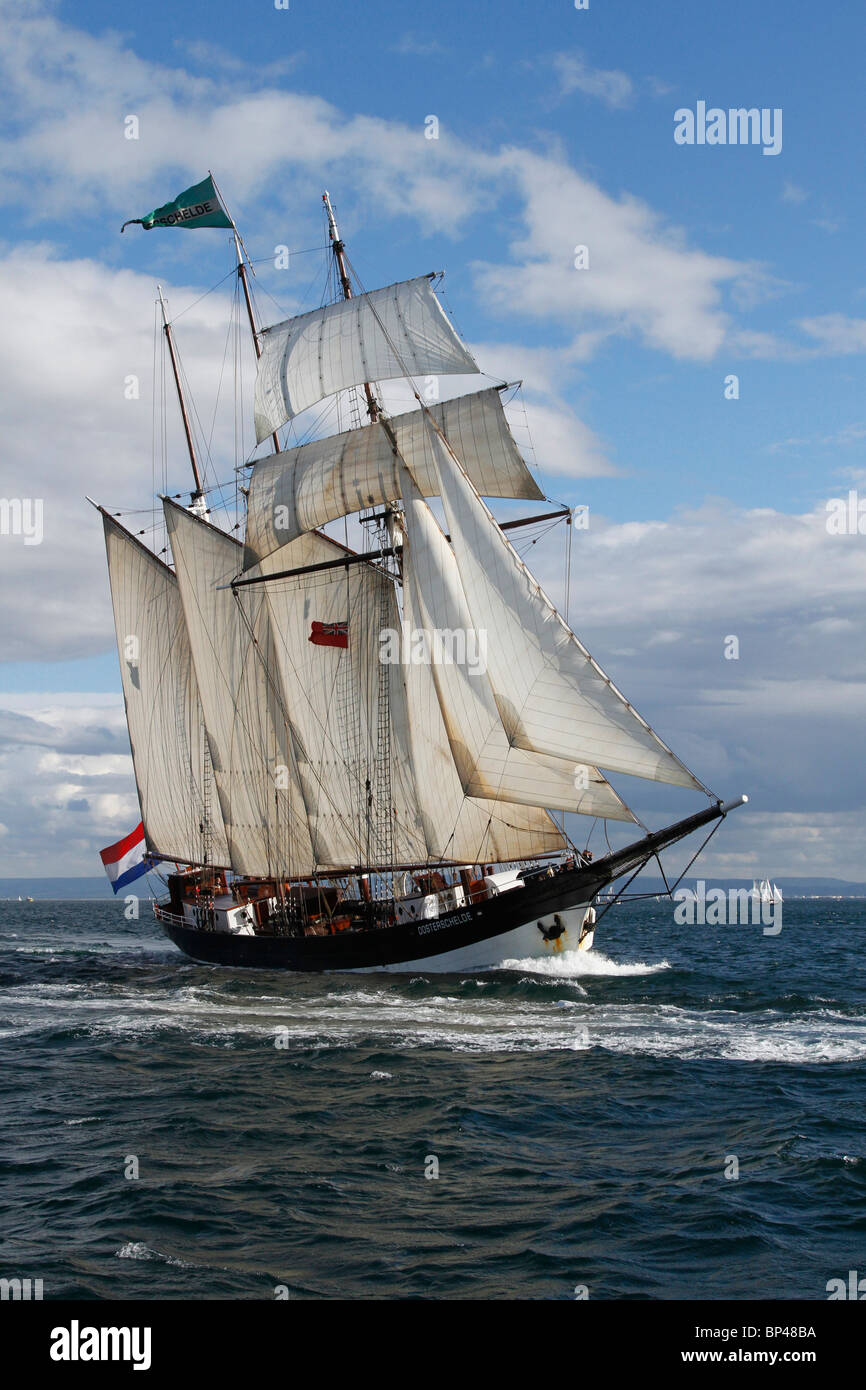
{"x": 197, "y": 501}
{"x": 332, "y": 221}
{"x": 337, "y": 247}
{"x": 373, "y": 410}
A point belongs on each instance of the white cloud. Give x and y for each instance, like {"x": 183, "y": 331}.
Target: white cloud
{"x": 836, "y": 334}
{"x": 73, "y": 333}
{"x": 77, "y": 794}
{"x": 410, "y": 45}
{"x": 826, "y": 224}
{"x": 548, "y": 430}
{"x": 642, "y": 279}
{"x": 72, "y": 90}
{"x": 659, "y": 88}
{"x": 550, "y": 434}
{"x": 212, "y": 56}
{"x": 754, "y": 843}
{"x": 612, "y": 87}
{"x": 655, "y": 603}
{"x": 792, "y": 193}
{"x": 839, "y": 439}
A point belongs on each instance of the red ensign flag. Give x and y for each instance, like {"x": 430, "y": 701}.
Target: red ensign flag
{"x": 330, "y": 634}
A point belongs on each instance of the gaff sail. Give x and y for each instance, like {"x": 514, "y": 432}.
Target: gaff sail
{"x": 182, "y": 820}
{"x": 253, "y": 757}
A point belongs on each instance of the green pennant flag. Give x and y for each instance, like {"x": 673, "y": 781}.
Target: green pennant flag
{"x": 198, "y": 206}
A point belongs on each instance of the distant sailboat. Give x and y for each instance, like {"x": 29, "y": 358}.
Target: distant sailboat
{"x": 765, "y": 891}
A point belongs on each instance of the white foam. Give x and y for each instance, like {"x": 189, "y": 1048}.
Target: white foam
{"x": 557, "y": 1013}
{"x": 137, "y": 1250}
{"x": 573, "y": 964}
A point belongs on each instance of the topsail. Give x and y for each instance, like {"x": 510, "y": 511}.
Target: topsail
{"x": 301, "y": 489}
{"x": 387, "y": 333}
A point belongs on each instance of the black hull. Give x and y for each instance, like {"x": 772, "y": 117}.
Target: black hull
{"x": 381, "y": 947}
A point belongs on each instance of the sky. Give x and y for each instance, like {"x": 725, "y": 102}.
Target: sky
{"x": 697, "y": 384}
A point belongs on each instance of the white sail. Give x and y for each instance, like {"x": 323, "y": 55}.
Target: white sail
{"x": 303, "y": 488}
{"x": 401, "y": 330}
{"x": 489, "y": 767}
{"x": 767, "y": 892}
{"x": 343, "y": 732}
{"x": 551, "y": 696}
{"x": 253, "y": 757}
{"x": 163, "y": 710}
{"x": 457, "y": 826}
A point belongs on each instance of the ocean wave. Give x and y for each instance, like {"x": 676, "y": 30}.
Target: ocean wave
{"x": 483, "y": 1024}
{"x": 568, "y": 1002}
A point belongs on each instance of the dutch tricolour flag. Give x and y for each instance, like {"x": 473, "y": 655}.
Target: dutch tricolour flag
{"x": 127, "y": 860}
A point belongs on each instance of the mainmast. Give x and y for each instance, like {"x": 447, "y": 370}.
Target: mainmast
{"x": 196, "y": 497}
{"x": 378, "y": 792}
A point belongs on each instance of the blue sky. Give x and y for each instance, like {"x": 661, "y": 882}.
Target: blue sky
{"x": 556, "y": 128}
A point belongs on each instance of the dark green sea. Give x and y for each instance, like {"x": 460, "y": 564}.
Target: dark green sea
{"x": 582, "y": 1115}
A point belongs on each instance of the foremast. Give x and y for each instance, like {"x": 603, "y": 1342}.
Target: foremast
{"x": 197, "y": 502}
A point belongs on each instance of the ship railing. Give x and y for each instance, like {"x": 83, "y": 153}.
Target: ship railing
{"x": 162, "y": 914}
{"x": 205, "y": 918}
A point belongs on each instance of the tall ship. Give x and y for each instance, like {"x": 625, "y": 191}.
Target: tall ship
{"x": 362, "y": 757}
